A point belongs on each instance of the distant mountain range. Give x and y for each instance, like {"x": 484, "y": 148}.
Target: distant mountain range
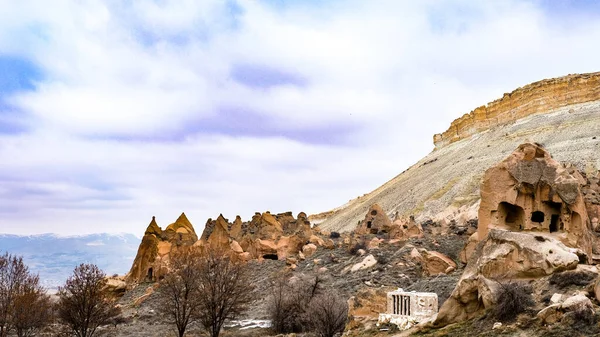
{"x": 54, "y": 256}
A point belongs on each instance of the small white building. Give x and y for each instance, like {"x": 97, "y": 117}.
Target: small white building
{"x": 408, "y": 308}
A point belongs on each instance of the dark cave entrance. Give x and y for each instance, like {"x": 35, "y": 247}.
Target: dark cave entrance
{"x": 369, "y": 224}
{"x": 554, "y": 223}
{"x": 512, "y": 215}
{"x": 537, "y": 216}
{"x": 270, "y": 256}
{"x": 150, "y": 274}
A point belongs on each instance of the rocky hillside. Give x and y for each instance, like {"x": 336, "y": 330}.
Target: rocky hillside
{"x": 563, "y": 114}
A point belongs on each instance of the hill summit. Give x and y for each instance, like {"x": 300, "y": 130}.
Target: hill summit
{"x": 562, "y": 114}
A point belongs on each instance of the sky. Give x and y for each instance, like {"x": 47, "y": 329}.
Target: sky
{"x": 112, "y": 112}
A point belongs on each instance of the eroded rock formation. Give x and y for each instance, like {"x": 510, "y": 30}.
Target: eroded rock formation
{"x": 530, "y": 191}
{"x": 535, "y": 98}
{"x": 375, "y": 221}
{"x": 266, "y": 236}
{"x": 151, "y": 261}
{"x": 503, "y": 255}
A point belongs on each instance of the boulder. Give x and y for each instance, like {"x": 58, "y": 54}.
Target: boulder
{"x": 329, "y": 244}
{"x": 367, "y": 262}
{"x": 576, "y": 303}
{"x": 436, "y": 263}
{"x": 404, "y": 229}
{"x": 503, "y": 255}
{"x": 374, "y": 243}
{"x": 316, "y": 240}
{"x": 309, "y": 249}
{"x": 235, "y": 247}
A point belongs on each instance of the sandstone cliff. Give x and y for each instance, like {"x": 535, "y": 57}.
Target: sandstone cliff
{"x": 535, "y": 98}
{"x": 444, "y": 186}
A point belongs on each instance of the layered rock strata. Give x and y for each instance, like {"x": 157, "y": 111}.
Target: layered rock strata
{"x": 535, "y": 98}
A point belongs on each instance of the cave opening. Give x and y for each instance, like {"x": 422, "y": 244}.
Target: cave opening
{"x": 537, "y": 216}
{"x": 554, "y": 223}
{"x": 512, "y": 215}
{"x": 150, "y": 275}
{"x": 369, "y": 224}
{"x": 270, "y": 256}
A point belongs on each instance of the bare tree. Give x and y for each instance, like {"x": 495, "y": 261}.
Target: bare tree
{"x": 289, "y": 303}
{"x": 179, "y": 291}
{"x": 328, "y": 314}
{"x": 205, "y": 286}
{"x": 83, "y": 304}
{"x": 225, "y": 290}
{"x": 32, "y": 308}
{"x": 23, "y": 302}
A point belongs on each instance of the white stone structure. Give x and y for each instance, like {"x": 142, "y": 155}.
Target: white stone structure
{"x": 408, "y": 308}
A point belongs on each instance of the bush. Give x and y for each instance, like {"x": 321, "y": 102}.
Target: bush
{"x": 512, "y": 299}
{"x": 572, "y": 278}
{"x": 334, "y": 235}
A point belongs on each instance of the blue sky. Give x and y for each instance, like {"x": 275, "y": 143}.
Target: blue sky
{"x": 112, "y": 112}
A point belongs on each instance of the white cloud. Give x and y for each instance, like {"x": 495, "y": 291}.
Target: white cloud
{"x": 117, "y": 124}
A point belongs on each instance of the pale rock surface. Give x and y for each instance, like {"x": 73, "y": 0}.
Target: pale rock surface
{"x": 368, "y": 262}
{"x": 309, "y": 249}
{"x": 503, "y": 255}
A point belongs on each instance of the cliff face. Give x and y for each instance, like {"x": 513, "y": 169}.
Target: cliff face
{"x": 563, "y": 114}
{"x": 535, "y": 98}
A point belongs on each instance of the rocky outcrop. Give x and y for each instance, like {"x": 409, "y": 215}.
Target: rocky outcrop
{"x": 535, "y": 98}
{"x": 530, "y": 191}
{"x": 375, "y": 221}
{"x": 266, "y": 236}
{"x": 503, "y": 255}
{"x": 447, "y": 180}
{"x": 151, "y": 261}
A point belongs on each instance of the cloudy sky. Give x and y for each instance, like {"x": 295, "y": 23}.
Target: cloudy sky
{"x": 114, "y": 111}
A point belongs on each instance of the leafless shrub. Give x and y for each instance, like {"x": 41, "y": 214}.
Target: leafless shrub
{"x": 83, "y": 305}
{"x": 512, "y": 299}
{"x": 328, "y": 314}
{"x": 24, "y": 305}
